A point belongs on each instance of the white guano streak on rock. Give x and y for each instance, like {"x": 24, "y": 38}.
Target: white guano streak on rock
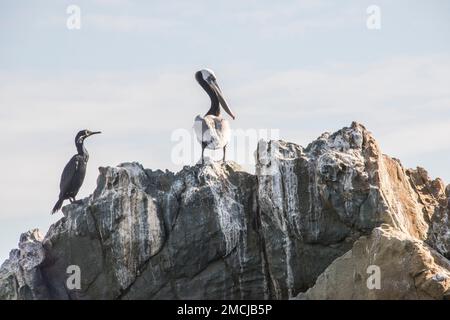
{"x": 292, "y": 212}
{"x": 284, "y": 191}
{"x": 337, "y": 153}
{"x": 279, "y": 190}
{"x": 22, "y": 264}
{"x": 231, "y": 215}
{"x": 230, "y": 224}
{"x": 314, "y": 201}
{"x": 139, "y": 229}
{"x": 31, "y": 251}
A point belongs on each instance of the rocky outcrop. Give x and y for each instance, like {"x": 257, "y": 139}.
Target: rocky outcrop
{"x": 407, "y": 269}
{"x": 20, "y": 275}
{"x": 320, "y": 199}
{"x": 308, "y": 224}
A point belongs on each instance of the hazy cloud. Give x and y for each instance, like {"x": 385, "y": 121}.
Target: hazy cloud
{"x": 122, "y": 23}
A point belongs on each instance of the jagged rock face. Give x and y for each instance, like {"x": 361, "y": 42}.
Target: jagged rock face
{"x": 435, "y": 200}
{"x": 212, "y": 248}
{"x": 110, "y": 236}
{"x": 217, "y": 232}
{"x": 318, "y": 200}
{"x": 154, "y": 235}
{"x": 20, "y": 275}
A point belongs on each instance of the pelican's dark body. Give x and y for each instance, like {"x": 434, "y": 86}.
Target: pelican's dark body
{"x": 72, "y": 177}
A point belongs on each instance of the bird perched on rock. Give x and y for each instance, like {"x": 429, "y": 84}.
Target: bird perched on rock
{"x": 212, "y": 131}
{"x": 74, "y": 172}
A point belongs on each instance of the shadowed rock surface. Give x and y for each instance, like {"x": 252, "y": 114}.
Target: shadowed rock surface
{"x": 308, "y": 224}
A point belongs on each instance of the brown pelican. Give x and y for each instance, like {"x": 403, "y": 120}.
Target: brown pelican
{"x": 212, "y": 131}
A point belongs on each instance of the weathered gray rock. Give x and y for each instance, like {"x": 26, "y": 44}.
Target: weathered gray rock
{"x": 20, "y": 275}
{"x": 155, "y": 235}
{"x": 110, "y": 236}
{"x": 212, "y": 248}
{"x": 217, "y": 232}
{"x": 317, "y": 201}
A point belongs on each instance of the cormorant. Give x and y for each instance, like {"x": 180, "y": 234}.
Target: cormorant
{"x": 212, "y": 131}
{"x": 74, "y": 172}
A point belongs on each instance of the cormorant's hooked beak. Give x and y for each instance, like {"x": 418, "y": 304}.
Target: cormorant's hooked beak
{"x": 95, "y": 132}
{"x": 222, "y": 101}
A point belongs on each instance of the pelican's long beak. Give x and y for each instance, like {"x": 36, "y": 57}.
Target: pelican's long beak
{"x": 222, "y": 101}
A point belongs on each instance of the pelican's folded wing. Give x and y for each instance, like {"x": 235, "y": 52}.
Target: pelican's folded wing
{"x": 198, "y": 128}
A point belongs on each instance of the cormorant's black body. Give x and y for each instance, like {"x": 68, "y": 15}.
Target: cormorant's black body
{"x": 74, "y": 172}
{"x": 73, "y": 176}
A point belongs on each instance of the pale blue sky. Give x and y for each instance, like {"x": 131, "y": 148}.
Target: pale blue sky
{"x": 302, "y": 67}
